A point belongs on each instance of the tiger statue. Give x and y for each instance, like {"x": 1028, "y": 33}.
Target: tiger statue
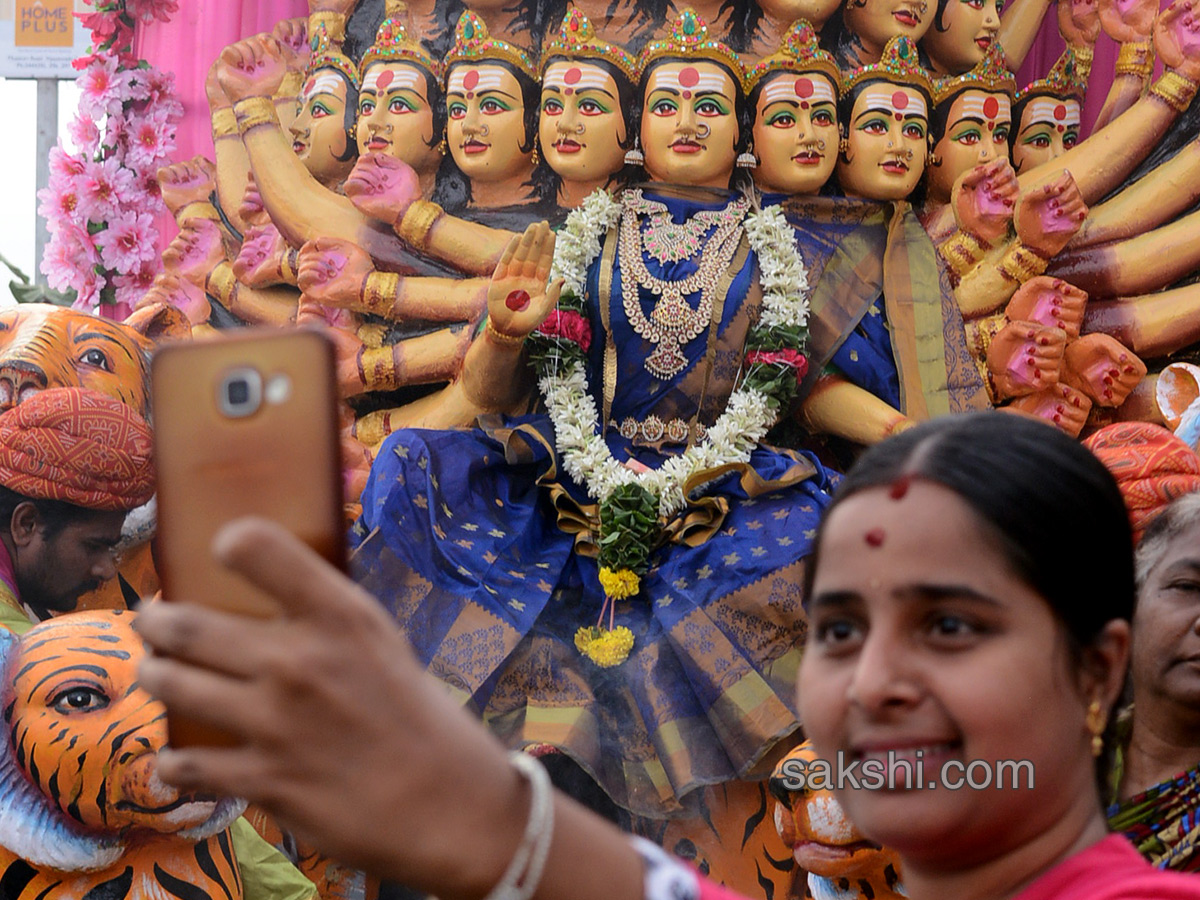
{"x": 82, "y": 810}
{"x": 841, "y": 863}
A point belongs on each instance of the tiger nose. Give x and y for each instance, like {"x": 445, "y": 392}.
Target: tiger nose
{"x": 18, "y": 382}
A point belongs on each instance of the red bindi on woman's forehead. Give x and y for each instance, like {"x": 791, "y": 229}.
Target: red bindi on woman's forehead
{"x": 900, "y": 100}
{"x": 689, "y": 77}
{"x": 804, "y": 88}
{"x": 1060, "y": 111}
{"x": 471, "y": 79}
{"x": 573, "y": 75}
{"x": 991, "y": 106}
{"x": 385, "y": 78}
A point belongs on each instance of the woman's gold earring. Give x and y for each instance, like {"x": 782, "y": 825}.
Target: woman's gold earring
{"x": 1096, "y": 720}
{"x": 933, "y": 160}
{"x": 634, "y": 156}
{"x": 535, "y": 160}
{"x": 442, "y": 147}
{"x": 844, "y": 146}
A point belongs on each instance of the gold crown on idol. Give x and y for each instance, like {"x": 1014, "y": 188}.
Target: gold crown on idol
{"x": 798, "y": 52}
{"x": 989, "y": 74}
{"x": 472, "y": 43}
{"x": 393, "y": 43}
{"x": 1062, "y": 81}
{"x": 576, "y": 39}
{"x": 326, "y": 56}
{"x": 689, "y": 39}
{"x": 899, "y": 64}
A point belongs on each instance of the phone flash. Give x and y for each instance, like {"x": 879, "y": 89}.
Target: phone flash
{"x": 277, "y": 389}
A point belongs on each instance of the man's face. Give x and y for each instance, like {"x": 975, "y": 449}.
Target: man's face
{"x": 54, "y": 570}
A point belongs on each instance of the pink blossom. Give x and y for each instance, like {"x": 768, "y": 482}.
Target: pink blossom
{"x": 60, "y": 204}
{"x": 68, "y": 257}
{"x": 85, "y": 134}
{"x": 132, "y": 286}
{"x": 102, "y": 86}
{"x": 102, "y": 25}
{"x": 104, "y": 185}
{"x": 149, "y": 140}
{"x": 158, "y": 87}
{"x": 149, "y": 10}
{"x": 787, "y": 357}
{"x": 570, "y": 325}
{"x": 87, "y": 291}
{"x": 63, "y": 164}
{"x": 128, "y": 241}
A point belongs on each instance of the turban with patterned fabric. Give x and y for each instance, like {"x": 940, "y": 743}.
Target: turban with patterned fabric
{"x": 78, "y": 446}
{"x": 1152, "y": 467}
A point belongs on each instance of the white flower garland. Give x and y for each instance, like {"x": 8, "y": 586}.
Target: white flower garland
{"x": 749, "y": 414}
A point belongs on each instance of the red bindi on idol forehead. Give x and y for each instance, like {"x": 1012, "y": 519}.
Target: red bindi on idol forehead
{"x": 804, "y": 88}
{"x": 471, "y": 79}
{"x": 1060, "y": 111}
{"x": 689, "y": 77}
{"x": 572, "y": 75}
{"x": 991, "y": 106}
{"x": 386, "y": 77}
{"x": 900, "y": 100}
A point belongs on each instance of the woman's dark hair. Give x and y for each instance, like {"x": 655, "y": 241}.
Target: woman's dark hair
{"x": 1054, "y": 508}
{"x": 741, "y": 106}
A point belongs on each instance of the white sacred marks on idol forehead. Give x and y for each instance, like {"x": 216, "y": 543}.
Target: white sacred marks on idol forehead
{"x": 394, "y": 78}
{"x": 895, "y": 100}
{"x": 990, "y": 108}
{"x": 1063, "y": 114}
{"x": 570, "y": 77}
{"x": 801, "y": 90}
{"x": 689, "y": 80}
{"x": 470, "y": 80}
{"x": 324, "y": 82}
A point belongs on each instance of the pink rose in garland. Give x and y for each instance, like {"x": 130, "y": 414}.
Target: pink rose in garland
{"x": 103, "y": 197}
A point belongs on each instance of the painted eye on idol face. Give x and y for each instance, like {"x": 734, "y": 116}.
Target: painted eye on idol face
{"x": 1049, "y": 127}
{"x": 925, "y": 644}
{"x": 581, "y": 125}
{"x": 962, "y": 34}
{"x": 795, "y": 133}
{"x": 485, "y": 127}
{"x": 689, "y": 124}
{"x": 887, "y": 141}
{"x": 318, "y": 132}
{"x": 394, "y": 116}
{"x": 978, "y": 126}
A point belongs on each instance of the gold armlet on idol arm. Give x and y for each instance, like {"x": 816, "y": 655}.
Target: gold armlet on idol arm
{"x": 370, "y": 429}
{"x": 962, "y": 251}
{"x": 1135, "y": 58}
{"x": 254, "y": 111}
{"x": 1021, "y": 263}
{"x": 197, "y": 209}
{"x": 288, "y": 264}
{"x": 980, "y": 333}
{"x": 1174, "y": 90}
{"x": 379, "y": 292}
{"x": 417, "y": 222}
{"x": 222, "y": 284}
{"x": 377, "y": 368}
{"x": 224, "y": 123}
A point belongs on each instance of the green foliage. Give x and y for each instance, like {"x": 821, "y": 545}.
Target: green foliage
{"x": 628, "y": 528}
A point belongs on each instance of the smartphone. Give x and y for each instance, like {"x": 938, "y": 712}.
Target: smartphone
{"x": 244, "y": 424}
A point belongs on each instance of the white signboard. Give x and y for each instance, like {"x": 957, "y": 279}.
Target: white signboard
{"x": 39, "y": 38}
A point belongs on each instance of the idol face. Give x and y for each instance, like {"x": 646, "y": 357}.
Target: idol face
{"x": 485, "y": 127}
{"x": 394, "y": 115}
{"x": 878, "y": 21}
{"x": 970, "y": 27}
{"x": 887, "y": 143}
{"x": 1049, "y": 127}
{"x": 977, "y": 131}
{"x": 318, "y": 133}
{"x": 581, "y": 125}
{"x": 689, "y": 124}
{"x": 795, "y": 133}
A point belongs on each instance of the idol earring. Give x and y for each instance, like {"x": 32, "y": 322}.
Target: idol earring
{"x": 535, "y": 160}
{"x": 634, "y": 155}
{"x": 1095, "y": 724}
{"x": 443, "y": 148}
{"x": 747, "y": 160}
{"x": 844, "y": 146}
{"x": 932, "y": 160}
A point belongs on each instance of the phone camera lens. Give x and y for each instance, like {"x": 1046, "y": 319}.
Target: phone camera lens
{"x": 238, "y": 392}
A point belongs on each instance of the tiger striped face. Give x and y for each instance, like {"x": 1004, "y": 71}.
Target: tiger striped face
{"x": 45, "y": 346}
{"x": 85, "y": 733}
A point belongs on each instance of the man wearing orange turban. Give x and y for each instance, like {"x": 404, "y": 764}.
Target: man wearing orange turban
{"x": 1152, "y": 467}
{"x": 73, "y": 462}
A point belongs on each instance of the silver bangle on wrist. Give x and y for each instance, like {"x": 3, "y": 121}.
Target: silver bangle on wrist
{"x": 524, "y": 873}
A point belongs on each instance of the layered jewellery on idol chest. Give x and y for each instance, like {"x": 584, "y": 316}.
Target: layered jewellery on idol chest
{"x": 673, "y": 322}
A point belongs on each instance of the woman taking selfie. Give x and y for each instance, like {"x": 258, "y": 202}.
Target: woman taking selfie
{"x": 969, "y": 600}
